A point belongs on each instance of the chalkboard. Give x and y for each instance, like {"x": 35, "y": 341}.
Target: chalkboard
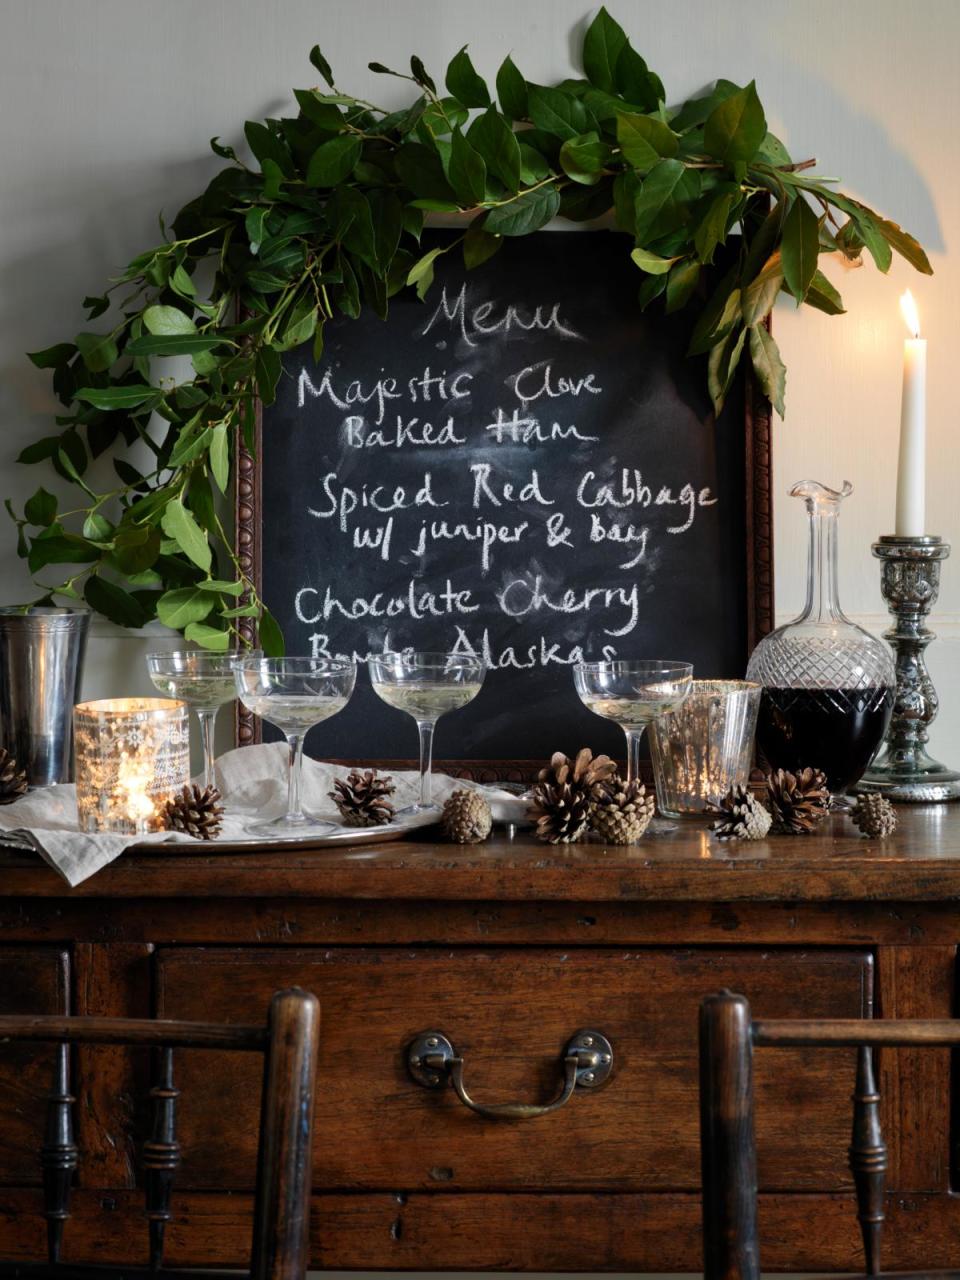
{"x": 525, "y": 466}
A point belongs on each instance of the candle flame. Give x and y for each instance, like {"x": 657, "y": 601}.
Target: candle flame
{"x": 911, "y": 317}
{"x": 134, "y": 778}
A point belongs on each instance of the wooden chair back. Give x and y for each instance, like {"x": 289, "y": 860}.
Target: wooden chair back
{"x": 288, "y": 1044}
{"x": 728, "y": 1037}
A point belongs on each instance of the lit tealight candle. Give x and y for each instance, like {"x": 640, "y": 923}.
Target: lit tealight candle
{"x": 911, "y": 471}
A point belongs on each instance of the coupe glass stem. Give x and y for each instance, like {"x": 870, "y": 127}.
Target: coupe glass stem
{"x": 208, "y": 720}
{"x": 633, "y": 752}
{"x": 294, "y": 764}
{"x": 426, "y": 760}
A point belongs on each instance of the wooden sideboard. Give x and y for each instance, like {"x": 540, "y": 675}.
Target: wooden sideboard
{"x": 508, "y": 949}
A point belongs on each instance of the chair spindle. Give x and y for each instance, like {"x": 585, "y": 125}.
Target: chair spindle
{"x": 161, "y": 1156}
{"x": 58, "y": 1155}
{"x": 868, "y": 1159}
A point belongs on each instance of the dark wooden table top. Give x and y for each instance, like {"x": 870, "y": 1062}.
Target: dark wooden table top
{"x": 921, "y": 862}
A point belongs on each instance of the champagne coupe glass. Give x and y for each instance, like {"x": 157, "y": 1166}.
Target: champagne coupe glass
{"x": 426, "y": 686}
{"x": 294, "y": 694}
{"x": 632, "y": 694}
{"x": 204, "y": 681}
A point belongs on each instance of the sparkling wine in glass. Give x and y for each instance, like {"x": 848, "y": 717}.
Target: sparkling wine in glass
{"x": 294, "y": 694}
{"x": 204, "y": 681}
{"x": 426, "y": 686}
{"x": 632, "y": 693}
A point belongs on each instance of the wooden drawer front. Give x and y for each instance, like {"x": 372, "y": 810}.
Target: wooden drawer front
{"x": 510, "y": 1013}
{"x": 32, "y": 980}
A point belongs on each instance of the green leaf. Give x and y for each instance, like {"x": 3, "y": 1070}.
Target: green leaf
{"x": 528, "y": 212}
{"x": 735, "y": 129}
{"x": 268, "y": 369}
{"x": 179, "y": 524}
{"x": 712, "y": 230}
{"x": 464, "y": 83}
{"x": 220, "y": 457}
{"x": 420, "y": 169}
{"x": 478, "y": 246}
{"x": 602, "y": 45}
{"x": 511, "y": 90}
{"x": 97, "y": 528}
{"x": 651, "y": 262}
{"x": 41, "y": 509}
{"x": 255, "y": 226}
{"x": 466, "y": 170}
{"x": 761, "y": 293}
{"x": 658, "y": 193}
{"x": 57, "y": 547}
{"x": 419, "y": 73}
{"x": 51, "y": 357}
{"x": 718, "y": 317}
{"x": 322, "y": 65}
{"x": 179, "y": 608}
{"x": 421, "y": 273}
{"x": 221, "y": 584}
{"x": 651, "y": 288}
{"x": 167, "y": 320}
{"x": 557, "y": 112}
{"x": 533, "y": 167}
{"x": 182, "y": 283}
{"x": 681, "y": 283}
{"x": 174, "y": 344}
{"x": 635, "y": 82}
{"x": 644, "y": 140}
{"x": 136, "y": 547}
{"x": 99, "y": 351}
{"x": 127, "y": 396}
{"x": 722, "y": 366}
{"x": 773, "y": 151}
{"x": 386, "y": 212}
{"x": 213, "y": 638}
{"x": 190, "y": 445}
{"x": 497, "y": 144}
{"x": 800, "y": 247}
{"x": 40, "y": 450}
{"x": 270, "y": 635}
{"x": 267, "y": 147}
{"x": 583, "y": 159}
{"x": 113, "y": 602}
{"x": 333, "y": 161}
{"x": 905, "y": 245}
{"x": 824, "y": 296}
{"x": 769, "y": 368}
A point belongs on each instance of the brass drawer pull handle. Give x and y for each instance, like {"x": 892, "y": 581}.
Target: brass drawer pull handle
{"x": 587, "y": 1062}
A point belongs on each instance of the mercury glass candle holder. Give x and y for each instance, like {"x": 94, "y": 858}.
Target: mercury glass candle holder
{"x": 132, "y": 754}
{"x": 704, "y": 747}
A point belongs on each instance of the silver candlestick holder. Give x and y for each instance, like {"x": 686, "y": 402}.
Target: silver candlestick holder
{"x": 905, "y": 771}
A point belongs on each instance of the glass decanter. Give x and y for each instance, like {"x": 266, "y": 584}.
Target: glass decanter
{"x": 828, "y": 685}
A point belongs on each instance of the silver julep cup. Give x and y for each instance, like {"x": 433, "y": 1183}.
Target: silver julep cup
{"x": 41, "y": 661}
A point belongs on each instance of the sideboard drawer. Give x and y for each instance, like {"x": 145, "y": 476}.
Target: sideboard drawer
{"x": 509, "y": 1013}
{"x": 32, "y": 980}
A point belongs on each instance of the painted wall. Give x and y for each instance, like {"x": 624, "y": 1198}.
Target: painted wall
{"x": 108, "y": 105}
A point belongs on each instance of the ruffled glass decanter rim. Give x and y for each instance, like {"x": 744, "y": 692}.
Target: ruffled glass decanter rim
{"x": 821, "y": 648}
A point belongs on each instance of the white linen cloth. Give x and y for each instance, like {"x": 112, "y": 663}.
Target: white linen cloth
{"x": 253, "y": 783}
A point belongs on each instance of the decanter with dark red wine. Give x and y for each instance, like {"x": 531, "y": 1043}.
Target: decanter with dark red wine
{"x": 828, "y": 685}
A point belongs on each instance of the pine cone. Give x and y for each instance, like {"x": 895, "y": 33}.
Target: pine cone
{"x": 466, "y": 817}
{"x": 195, "y": 811}
{"x": 13, "y": 781}
{"x": 742, "y": 816}
{"x": 621, "y": 811}
{"x": 874, "y": 815}
{"x": 564, "y": 792}
{"x": 362, "y": 798}
{"x": 798, "y": 801}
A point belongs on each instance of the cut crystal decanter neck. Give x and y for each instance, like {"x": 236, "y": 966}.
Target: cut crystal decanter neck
{"x": 828, "y": 684}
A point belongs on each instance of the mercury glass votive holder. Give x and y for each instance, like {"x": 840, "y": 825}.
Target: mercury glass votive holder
{"x": 704, "y": 747}
{"x": 132, "y": 754}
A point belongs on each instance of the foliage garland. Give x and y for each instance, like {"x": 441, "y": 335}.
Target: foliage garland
{"x": 332, "y": 221}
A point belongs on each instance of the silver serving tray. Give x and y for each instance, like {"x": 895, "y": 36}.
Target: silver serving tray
{"x": 257, "y": 844}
